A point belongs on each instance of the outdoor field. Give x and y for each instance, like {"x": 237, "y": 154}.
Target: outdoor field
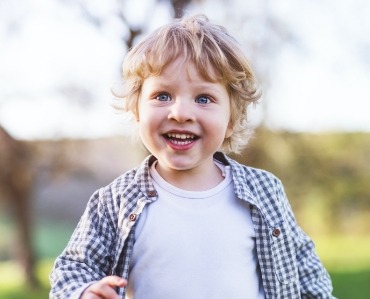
{"x": 346, "y": 257}
{"x": 77, "y": 112}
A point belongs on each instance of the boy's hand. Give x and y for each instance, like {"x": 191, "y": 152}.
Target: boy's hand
{"x": 104, "y": 289}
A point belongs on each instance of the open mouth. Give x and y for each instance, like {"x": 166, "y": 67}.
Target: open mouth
{"x": 180, "y": 139}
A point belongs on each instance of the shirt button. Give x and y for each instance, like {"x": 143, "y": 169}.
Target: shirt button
{"x": 152, "y": 193}
{"x": 132, "y": 217}
{"x": 276, "y": 232}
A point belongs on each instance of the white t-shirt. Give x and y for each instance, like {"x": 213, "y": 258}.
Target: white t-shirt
{"x": 194, "y": 245}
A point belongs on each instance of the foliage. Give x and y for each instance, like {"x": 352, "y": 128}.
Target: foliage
{"x": 342, "y": 253}
{"x": 326, "y": 176}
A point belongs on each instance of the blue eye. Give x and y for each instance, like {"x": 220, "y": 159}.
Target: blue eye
{"x": 163, "y": 97}
{"x": 202, "y": 100}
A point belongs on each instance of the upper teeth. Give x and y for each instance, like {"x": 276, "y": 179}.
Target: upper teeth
{"x": 180, "y": 136}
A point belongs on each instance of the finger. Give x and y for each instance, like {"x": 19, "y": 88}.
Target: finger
{"x": 102, "y": 291}
{"x": 88, "y": 295}
{"x": 114, "y": 281}
{"x": 105, "y": 288}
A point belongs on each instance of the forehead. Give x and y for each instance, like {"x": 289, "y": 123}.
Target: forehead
{"x": 187, "y": 69}
{"x": 181, "y": 71}
{"x": 181, "y": 68}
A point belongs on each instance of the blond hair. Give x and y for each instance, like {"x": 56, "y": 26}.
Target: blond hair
{"x": 217, "y": 57}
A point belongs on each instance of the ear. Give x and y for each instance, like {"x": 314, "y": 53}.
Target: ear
{"x": 229, "y": 130}
{"x": 136, "y": 115}
{"x": 135, "y": 112}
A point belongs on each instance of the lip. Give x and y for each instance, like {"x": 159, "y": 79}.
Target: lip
{"x": 180, "y": 140}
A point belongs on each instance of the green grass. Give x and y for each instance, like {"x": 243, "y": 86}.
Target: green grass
{"x": 346, "y": 257}
{"x": 24, "y": 293}
{"x": 351, "y": 285}
{"x": 12, "y": 285}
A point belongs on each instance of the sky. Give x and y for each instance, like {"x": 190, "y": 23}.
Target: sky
{"x": 57, "y": 69}
{"x": 327, "y": 85}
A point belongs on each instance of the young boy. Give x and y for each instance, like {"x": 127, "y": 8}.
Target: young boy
{"x": 190, "y": 222}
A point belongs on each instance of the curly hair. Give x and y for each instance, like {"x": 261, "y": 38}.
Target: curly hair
{"x": 217, "y": 56}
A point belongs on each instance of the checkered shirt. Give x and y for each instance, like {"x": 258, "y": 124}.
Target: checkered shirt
{"x": 103, "y": 241}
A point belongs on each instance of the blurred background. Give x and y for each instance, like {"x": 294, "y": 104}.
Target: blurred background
{"x": 60, "y": 138}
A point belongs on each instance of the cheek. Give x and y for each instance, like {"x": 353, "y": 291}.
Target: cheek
{"x": 147, "y": 118}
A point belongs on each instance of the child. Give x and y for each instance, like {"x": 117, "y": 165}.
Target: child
{"x": 190, "y": 222}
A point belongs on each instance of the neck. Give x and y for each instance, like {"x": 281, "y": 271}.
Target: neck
{"x": 192, "y": 179}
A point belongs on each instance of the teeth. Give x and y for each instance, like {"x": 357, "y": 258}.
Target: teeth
{"x": 180, "y": 136}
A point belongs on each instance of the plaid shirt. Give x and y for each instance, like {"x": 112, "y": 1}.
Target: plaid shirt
{"x": 103, "y": 241}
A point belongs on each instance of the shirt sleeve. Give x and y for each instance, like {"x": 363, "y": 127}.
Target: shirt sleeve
{"x": 314, "y": 280}
{"x": 87, "y": 257}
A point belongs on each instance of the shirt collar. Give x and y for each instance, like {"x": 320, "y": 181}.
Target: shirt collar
{"x": 244, "y": 184}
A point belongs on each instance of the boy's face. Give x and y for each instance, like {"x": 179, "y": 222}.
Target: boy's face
{"x": 183, "y": 119}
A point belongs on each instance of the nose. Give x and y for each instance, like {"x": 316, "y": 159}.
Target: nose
{"x": 181, "y": 111}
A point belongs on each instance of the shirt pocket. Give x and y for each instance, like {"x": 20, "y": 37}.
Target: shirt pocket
{"x": 284, "y": 255}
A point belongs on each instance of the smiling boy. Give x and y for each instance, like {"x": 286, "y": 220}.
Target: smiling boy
{"x": 183, "y": 120}
{"x": 190, "y": 222}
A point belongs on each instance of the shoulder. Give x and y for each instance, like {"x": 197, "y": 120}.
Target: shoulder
{"x": 127, "y": 187}
{"x": 255, "y": 178}
{"x": 262, "y": 189}
{"x": 129, "y": 183}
